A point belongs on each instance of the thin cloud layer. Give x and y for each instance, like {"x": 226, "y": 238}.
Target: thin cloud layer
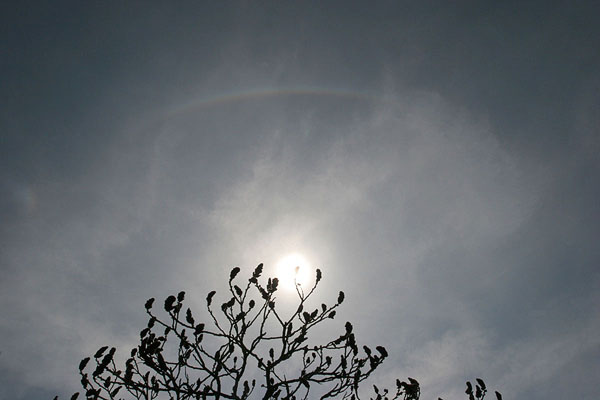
{"x": 440, "y": 167}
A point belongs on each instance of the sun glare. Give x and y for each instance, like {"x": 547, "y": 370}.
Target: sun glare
{"x": 291, "y": 270}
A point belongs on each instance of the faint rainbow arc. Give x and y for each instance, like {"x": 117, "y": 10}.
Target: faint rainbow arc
{"x": 260, "y": 94}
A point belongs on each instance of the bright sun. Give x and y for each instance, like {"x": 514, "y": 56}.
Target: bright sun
{"x": 293, "y": 269}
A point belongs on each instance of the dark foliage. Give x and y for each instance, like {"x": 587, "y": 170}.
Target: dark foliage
{"x": 247, "y": 350}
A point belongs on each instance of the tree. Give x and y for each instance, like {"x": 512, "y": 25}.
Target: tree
{"x": 248, "y": 350}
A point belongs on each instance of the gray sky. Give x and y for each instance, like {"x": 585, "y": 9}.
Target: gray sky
{"x": 439, "y": 162}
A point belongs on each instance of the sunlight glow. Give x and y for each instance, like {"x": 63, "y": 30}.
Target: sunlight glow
{"x": 291, "y": 269}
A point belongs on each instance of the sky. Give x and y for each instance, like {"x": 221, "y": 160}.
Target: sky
{"x": 438, "y": 161}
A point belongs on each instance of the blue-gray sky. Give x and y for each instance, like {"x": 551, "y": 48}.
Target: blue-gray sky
{"x": 438, "y": 161}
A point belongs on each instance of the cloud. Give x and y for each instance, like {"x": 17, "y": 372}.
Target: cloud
{"x": 446, "y": 183}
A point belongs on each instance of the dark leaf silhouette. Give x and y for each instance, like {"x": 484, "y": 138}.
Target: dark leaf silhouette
{"x": 481, "y": 383}
{"x": 149, "y": 303}
{"x": 382, "y": 351}
{"x": 233, "y": 273}
{"x": 169, "y": 303}
{"x": 306, "y": 317}
{"x": 100, "y": 351}
{"x": 83, "y": 363}
{"x": 348, "y": 328}
{"x": 238, "y": 290}
{"x": 115, "y": 391}
{"x": 210, "y": 297}
{"x": 188, "y": 317}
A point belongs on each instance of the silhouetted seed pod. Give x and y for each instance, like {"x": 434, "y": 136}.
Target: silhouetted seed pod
{"x": 348, "y": 327}
{"x": 84, "y": 381}
{"x": 209, "y": 297}
{"x": 382, "y": 351}
{"x": 83, "y": 363}
{"x": 99, "y": 370}
{"x": 306, "y": 317}
{"x": 149, "y": 303}
{"x": 100, "y": 351}
{"x": 233, "y": 273}
{"x": 481, "y": 383}
{"x": 238, "y": 290}
{"x": 169, "y": 303}
{"x": 258, "y": 271}
{"x": 188, "y": 317}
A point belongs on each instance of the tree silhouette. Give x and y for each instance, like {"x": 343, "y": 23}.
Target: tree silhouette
{"x": 248, "y": 350}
